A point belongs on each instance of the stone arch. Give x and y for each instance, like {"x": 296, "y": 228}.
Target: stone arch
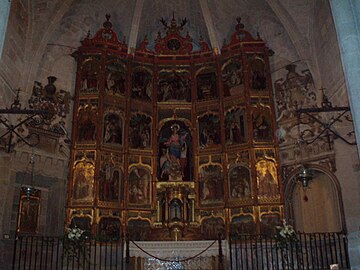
{"x": 318, "y": 208}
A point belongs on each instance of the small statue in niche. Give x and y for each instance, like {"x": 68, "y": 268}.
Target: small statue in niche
{"x": 211, "y": 184}
{"x": 268, "y": 224}
{"x": 239, "y": 183}
{"x": 206, "y": 86}
{"x": 140, "y": 131}
{"x": 113, "y": 129}
{"x": 139, "y": 186}
{"x": 110, "y": 228}
{"x": 142, "y": 85}
{"x": 243, "y": 225}
{"x": 174, "y": 86}
{"x": 212, "y": 227}
{"x": 235, "y": 126}
{"x": 258, "y": 73}
{"x": 115, "y": 83}
{"x": 262, "y": 127}
{"x": 87, "y": 128}
{"x": 89, "y": 83}
{"x": 233, "y": 79}
{"x": 110, "y": 179}
{"x": 209, "y": 130}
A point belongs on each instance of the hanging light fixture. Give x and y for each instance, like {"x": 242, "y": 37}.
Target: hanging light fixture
{"x": 305, "y": 174}
{"x": 31, "y": 191}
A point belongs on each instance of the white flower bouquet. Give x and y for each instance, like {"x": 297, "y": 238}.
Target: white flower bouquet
{"x": 75, "y": 247}
{"x": 285, "y": 235}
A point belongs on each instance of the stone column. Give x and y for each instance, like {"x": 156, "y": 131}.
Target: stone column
{"x": 346, "y": 16}
{"x": 4, "y": 15}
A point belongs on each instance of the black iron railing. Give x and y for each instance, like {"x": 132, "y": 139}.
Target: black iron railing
{"x": 44, "y": 253}
{"x": 310, "y": 251}
{"x": 247, "y": 252}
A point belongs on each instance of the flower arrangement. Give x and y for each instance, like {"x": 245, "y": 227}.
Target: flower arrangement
{"x": 75, "y": 234}
{"x": 75, "y": 247}
{"x": 285, "y": 235}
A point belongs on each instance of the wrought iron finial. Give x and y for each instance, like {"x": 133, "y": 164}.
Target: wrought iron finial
{"x": 16, "y": 105}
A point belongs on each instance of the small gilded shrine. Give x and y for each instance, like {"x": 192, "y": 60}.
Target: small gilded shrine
{"x": 173, "y": 142}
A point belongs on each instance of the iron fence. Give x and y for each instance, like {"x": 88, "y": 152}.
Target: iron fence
{"x": 247, "y": 252}
{"x": 309, "y": 251}
{"x": 44, "y": 253}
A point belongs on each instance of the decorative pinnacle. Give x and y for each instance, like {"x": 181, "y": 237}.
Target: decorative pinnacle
{"x": 239, "y": 25}
{"x": 107, "y": 24}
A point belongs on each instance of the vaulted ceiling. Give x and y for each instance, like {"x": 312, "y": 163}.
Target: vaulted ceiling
{"x": 284, "y": 25}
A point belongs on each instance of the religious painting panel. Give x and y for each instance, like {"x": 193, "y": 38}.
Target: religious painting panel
{"x": 206, "y": 86}
{"x": 235, "y": 126}
{"x": 211, "y": 185}
{"x": 89, "y": 76}
{"x": 113, "y": 127}
{"x": 139, "y": 229}
{"x": 83, "y": 180}
{"x": 86, "y": 131}
{"x": 109, "y": 229}
{"x": 175, "y": 152}
{"x": 243, "y": 224}
{"x": 142, "y": 84}
{"x": 140, "y": 131}
{"x": 209, "y": 130}
{"x": 267, "y": 179}
{"x": 233, "y": 78}
{"x": 239, "y": 183}
{"x": 257, "y": 72}
{"x": 174, "y": 85}
{"x": 262, "y": 125}
{"x": 212, "y": 227}
{"x": 115, "y": 78}
{"x": 268, "y": 223}
{"x": 110, "y": 183}
{"x": 29, "y": 211}
{"x": 81, "y": 222}
{"x": 139, "y": 187}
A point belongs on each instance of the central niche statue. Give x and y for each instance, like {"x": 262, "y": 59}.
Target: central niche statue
{"x": 174, "y": 152}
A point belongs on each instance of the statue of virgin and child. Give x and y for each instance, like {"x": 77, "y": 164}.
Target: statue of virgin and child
{"x": 173, "y": 156}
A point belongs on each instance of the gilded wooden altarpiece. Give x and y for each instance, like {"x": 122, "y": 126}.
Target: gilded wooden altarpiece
{"x": 174, "y": 143}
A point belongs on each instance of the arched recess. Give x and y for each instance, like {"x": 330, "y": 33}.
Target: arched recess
{"x": 318, "y": 208}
